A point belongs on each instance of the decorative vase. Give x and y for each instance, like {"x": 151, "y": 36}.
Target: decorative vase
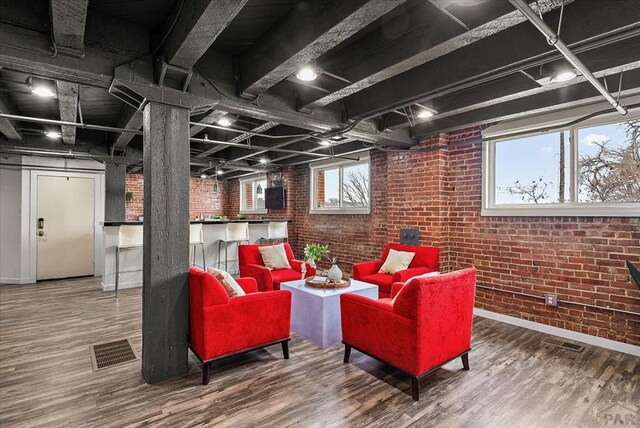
{"x": 334, "y": 274}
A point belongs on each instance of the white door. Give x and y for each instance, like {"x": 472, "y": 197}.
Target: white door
{"x": 65, "y": 229}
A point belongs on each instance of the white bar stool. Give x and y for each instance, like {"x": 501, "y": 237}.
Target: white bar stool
{"x": 196, "y": 237}
{"x": 234, "y": 233}
{"x": 276, "y": 231}
{"x": 128, "y": 237}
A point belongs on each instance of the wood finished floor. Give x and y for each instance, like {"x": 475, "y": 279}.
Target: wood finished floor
{"x": 515, "y": 379}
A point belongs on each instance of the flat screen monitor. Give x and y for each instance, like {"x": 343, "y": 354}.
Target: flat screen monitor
{"x": 274, "y": 198}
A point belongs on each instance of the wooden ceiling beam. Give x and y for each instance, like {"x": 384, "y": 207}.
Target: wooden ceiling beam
{"x": 69, "y": 18}
{"x": 309, "y": 30}
{"x": 198, "y": 25}
{"x": 68, "y": 105}
{"x": 507, "y": 50}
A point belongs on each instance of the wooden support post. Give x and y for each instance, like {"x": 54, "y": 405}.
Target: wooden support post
{"x": 114, "y": 185}
{"x": 165, "y": 293}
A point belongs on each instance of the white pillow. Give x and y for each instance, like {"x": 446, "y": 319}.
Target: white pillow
{"x": 227, "y": 281}
{"x": 274, "y": 257}
{"x": 396, "y": 261}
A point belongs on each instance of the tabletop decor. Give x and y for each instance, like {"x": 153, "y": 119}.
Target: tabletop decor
{"x": 313, "y": 253}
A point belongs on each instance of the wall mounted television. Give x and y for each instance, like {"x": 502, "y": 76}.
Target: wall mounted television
{"x": 275, "y": 198}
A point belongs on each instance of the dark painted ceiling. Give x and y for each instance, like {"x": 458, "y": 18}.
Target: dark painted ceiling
{"x": 380, "y": 62}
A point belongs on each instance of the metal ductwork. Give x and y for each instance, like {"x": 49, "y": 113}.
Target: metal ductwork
{"x": 554, "y": 40}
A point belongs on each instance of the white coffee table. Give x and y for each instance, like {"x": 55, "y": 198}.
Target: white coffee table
{"x": 315, "y": 313}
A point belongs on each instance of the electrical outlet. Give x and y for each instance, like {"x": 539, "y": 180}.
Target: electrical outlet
{"x": 551, "y": 299}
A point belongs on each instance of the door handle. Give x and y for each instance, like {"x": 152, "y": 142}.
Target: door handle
{"x": 41, "y": 233}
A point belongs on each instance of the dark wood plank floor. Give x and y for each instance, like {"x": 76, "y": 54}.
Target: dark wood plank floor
{"x": 515, "y": 380}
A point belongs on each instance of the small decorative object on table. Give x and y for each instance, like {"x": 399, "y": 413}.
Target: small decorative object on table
{"x": 334, "y": 274}
{"x": 324, "y": 282}
{"x": 312, "y": 254}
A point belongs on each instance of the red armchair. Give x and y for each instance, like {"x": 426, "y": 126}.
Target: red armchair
{"x": 252, "y": 266}
{"x": 427, "y": 259}
{"x": 427, "y": 325}
{"x": 221, "y": 326}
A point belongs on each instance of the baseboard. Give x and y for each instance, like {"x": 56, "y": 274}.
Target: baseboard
{"x": 121, "y": 286}
{"x": 15, "y": 281}
{"x": 561, "y": 332}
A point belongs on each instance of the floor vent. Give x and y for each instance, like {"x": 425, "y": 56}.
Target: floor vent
{"x": 565, "y": 345}
{"x": 105, "y": 355}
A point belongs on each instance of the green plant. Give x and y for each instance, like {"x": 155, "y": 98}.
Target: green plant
{"x": 240, "y": 216}
{"x": 128, "y": 196}
{"x": 315, "y": 252}
{"x": 218, "y": 217}
{"x": 634, "y": 273}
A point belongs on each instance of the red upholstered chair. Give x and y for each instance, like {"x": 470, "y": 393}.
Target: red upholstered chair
{"x": 221, "y": 326}
{"x": 427, "y": 259}
{"x": 252, "y": 266}
{"x": 427, "y": 325}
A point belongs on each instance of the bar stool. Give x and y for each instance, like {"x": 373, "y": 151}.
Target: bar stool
{"x": 196, "y": 237}
{"x": 234, "y": 233}
{"x": 276, "y": 231}
{"x": 128, "y": 237}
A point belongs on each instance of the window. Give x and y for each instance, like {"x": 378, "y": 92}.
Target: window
{"x": 591, "y": 169}
{"x": 252, "y": 192}
{"x": 340, "y": 187}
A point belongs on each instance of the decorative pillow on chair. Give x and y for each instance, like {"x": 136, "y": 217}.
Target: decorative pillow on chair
{"x": 396, "y": 261}
{"x": 227, "y": 281}
{"x": 274, "y": 257}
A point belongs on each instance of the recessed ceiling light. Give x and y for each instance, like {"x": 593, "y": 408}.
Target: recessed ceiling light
{"x": 307, "y": 73}
{"x": 41, "y": 87}
{"x": 337, "y": 137}
{"x": 325, "y": 142}
{"x": 220, "y": 172}
{"x": 203, "y": 175}
{"x": 564, "y": 76}
{"x": 424, "y": 113}
{"x": 53, "y": 134}
{"x": 264, "y": 160}
{"x": 224, "y": 121}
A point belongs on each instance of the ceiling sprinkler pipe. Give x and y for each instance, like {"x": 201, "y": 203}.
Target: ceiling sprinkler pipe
{"x": 555, "y": 41}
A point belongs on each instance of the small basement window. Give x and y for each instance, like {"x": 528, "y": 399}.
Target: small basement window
{"x": 341, "y": 187}
{"x": 252, "y": 191}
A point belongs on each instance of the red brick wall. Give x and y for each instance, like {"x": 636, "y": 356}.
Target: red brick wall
{"x": 439, "y": 192}
{"x": 203, "y": 200}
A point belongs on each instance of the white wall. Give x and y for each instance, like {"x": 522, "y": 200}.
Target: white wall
{"x": 18, "y": 199}
{"x": 10, "y": 226}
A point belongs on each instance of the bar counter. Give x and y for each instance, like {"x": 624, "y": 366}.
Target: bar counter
{"x": 131, "y": 258}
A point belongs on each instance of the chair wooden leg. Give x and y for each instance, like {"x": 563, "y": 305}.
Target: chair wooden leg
{"x": 347, "y": 353}
{"x": 285, "y": 349}
{"x": 415, "y": 388}
{"x": 205, "y": 373}
{"x": 465, "y": 361}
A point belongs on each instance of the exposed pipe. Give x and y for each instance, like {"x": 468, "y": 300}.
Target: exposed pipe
{"x": 278, "y": 150}
{"x": 554, "y": 40}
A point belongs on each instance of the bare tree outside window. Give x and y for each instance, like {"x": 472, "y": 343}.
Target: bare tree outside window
{"x": 609, "y": 171}
{"x": 534, "y": 191}
{"x": 356, "y": 187}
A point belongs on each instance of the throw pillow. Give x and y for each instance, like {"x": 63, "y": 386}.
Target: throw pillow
{"x": 230, "y": 285}
{"x": 274, "y": 257}
{"x": 396, "y": 261}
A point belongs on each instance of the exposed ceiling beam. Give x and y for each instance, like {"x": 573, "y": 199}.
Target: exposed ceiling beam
{"x": 431, "y": 35}
{"x": 545, "y": 102}
{"x": 605, "y": 61}
{"x": 238, "y": 139}
{"x": 69, "y": 18}
{"x": 68, "y": 105}
{"x": 130, "y": 119}
{"x": 314, "y": 147}
{"x": 8, "y": 127}
{"x": 108, "y": 42}
{"x": 198, "y": 25}
{"x": 515, "y": 47}
{"x": 311, "y": 29}
{"x": 211, "y": 118}
{"x": 350, "y": 149}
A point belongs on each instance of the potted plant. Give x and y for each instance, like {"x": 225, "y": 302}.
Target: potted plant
{"x": 313, "y": 253}
{"x": 128, "y": 197}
